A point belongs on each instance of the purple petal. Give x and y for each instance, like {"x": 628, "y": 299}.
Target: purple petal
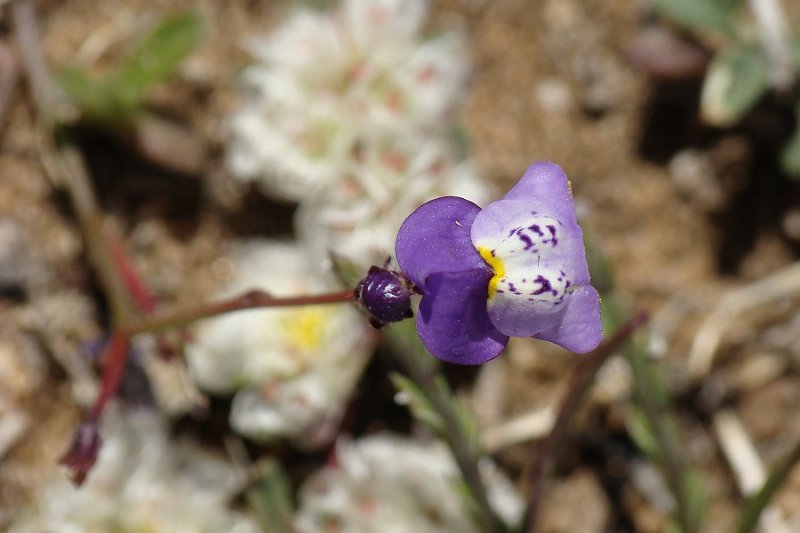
{"x": 436, "y": 238}
{"x": 545, "y": 187}
{"x": 580, "y": 330}
{"x": 453, "y": 323}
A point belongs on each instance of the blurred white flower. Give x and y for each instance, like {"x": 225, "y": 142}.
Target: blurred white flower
{"x": 144, "y": 480}
{"x": 390, "y": 484}
{"x": 292, "y": 369}
{"x": 327, "y": 82}
{"x": 358, "y": 216}
{"x": 376, "y": 23}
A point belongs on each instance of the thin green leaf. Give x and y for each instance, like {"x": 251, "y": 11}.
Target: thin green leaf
{"x": 641, "y": 432}
{"x": 699, "y": 14}
{"x": 467, "y": 424}
{"x": 696, "y": 495}
{"x": 118, "y": 95}
{"x": 736, "y": 80}
{"x": 345, "y": 270}
{"x": 418, "y": 403}
{"x": 753, "y": 508}
{"x": 92, "y": 97}
{"x": 790, "y": 154}
{"x": 156, "y": 57}
{"x": 270, "y": 499}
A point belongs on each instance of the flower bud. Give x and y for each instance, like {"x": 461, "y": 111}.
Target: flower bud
{"x": 83, "y": 451}
{"x": 386, "y": 295}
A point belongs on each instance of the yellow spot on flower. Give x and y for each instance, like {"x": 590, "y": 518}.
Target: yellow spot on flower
{"x": 497, "y": 265}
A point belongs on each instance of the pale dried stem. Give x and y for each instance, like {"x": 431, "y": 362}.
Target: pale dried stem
{"x": 527, "y": 427}
{"x": 781, "y": 285}
{"x": 738, "y": 449}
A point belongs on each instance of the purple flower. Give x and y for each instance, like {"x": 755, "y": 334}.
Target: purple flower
{"x": 516, "y": 268}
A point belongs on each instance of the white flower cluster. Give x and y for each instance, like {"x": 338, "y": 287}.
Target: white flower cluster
{"x": 390, "y": 484}
{"x": 143, "y": 481}
{"x": 292, "y": 369}
{"x": 351, "y": 113}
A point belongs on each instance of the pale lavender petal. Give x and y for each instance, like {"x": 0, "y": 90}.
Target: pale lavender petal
{"x": 533, "y": 242}
{"x": 452, "y": 321}
{"x": 436, "y": 238}
{"x": 545, "y": 187}
{"x": 528, "y": 304}
{"x": 580, "y": 330}
{"x": 538, "y": 216}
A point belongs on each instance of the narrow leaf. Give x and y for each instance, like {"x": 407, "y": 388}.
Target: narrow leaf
{"x": 790, "y": 155}
{"x": 419, "y": 404}
{"x": 641, "y": 432}
{"x": 699, "y": 14}
{"x": 735, "y": 82}
{"x": 345, "y": 270}
{"x": 156, "y": 57}
{"x": 270, "y": 499}
{"x": 92, "y": 97}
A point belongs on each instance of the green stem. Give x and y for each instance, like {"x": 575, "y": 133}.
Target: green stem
{"x": 422, "y": 367}
{"x": 664, "y": 429}
{"x": 752, "y": 510}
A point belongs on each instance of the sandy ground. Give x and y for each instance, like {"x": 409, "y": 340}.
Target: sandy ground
{"x": 550, "y": 82}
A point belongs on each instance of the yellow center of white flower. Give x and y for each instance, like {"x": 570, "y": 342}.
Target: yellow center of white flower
{"x": 305, "y": 328}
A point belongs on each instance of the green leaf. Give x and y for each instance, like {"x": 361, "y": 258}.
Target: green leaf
{"x": 790, "y": 154}
{"x": 345, "y": 270}
{"x": 735, "y": 82}
{"x": 118, "y": 95}
{"x": 467, "y": 424}
{"x": 699, "y": 14}
{"x": 696, "y": 496}
{"x": 270, "y": 498}
{"x": 641, "y": 431}
{"x": 156, "y": 57}
{"x": 92, "y": 97}
{"x": 418, "y": 402}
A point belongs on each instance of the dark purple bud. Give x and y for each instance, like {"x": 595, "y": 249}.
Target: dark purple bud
{"x": 83, "y": 451}
{"x": 386, "y": 295}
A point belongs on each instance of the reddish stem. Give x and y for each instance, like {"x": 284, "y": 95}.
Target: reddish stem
{"x": 253, "y": 299}
{"x": 133, "y": 282}
{"x": 114, "y": 358}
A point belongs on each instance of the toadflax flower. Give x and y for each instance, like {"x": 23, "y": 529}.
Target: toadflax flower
{"x": 516, "y": 268}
